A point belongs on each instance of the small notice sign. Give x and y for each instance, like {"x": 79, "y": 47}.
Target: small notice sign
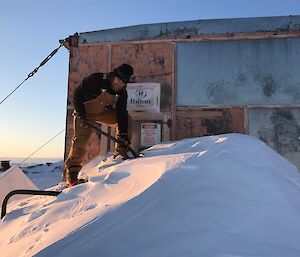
{"x": 150, "y": 134}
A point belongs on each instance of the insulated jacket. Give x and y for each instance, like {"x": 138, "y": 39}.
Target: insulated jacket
{"x": 92, "y": 87}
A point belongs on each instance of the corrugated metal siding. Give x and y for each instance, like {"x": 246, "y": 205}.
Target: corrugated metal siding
{"x": 238, "y": 72}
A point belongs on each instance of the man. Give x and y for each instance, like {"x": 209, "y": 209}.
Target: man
{"x": 100, "y": 98}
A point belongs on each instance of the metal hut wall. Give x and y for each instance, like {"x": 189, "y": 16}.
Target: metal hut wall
{"x": 216, "y": 76}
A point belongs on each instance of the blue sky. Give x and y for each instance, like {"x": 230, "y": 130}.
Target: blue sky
{"x": 30, "y": 30}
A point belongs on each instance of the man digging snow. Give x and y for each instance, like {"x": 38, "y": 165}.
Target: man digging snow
{"x": 100, "y": 98}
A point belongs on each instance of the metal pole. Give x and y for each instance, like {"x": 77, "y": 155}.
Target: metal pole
{"x": 110, "y": 137}
{"x": 24, "y": 192}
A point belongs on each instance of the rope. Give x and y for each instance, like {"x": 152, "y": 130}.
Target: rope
{"x": 33, "y": 72}
{"x": 29, "y": 76}
{"x": 12, "y": 91}
{"x": 19, "y": 164}
{"x": 41, "y": 147}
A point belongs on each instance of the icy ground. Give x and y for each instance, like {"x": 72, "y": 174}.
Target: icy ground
{"x": 223, "y": 196}
{"x": 44, "y": 175}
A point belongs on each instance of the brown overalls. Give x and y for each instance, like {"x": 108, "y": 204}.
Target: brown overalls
{"x": 98, "y": 110}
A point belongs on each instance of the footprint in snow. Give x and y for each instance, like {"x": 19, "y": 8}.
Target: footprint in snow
{"x": 46, "y": 229}
{"x": 22, "y": 204}
{"x": 115, "y": 177}
{"x": 24, "y": 233}
{"x": 97, "y": 178}
{"x": 90, "y": 207}
{"x": 34, "y": 215}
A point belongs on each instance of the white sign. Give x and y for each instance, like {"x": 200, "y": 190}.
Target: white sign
{"x": 150, "y": 134}
{"x": 143, "y": 97}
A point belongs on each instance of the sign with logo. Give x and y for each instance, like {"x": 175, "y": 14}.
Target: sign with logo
{"x": 143, "y": 97}
{"x": 150, "y": 134}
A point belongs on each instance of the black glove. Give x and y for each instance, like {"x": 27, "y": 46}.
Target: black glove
{"x": 122, "y": 146}
{"x": 124, "y": 140}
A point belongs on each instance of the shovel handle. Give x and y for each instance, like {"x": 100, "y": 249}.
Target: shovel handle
{"x": 110, "y": 137}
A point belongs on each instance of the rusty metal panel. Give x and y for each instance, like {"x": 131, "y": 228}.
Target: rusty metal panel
{"x": 84, "y": 60}
{"x": 152, "y": 62}
{"x": 279, "y": 128}
{"x": 193, "y": 123}
{"x": 238, "y": 72}
{"x": 192, "y": 28}
{"x": 215, "y": 73}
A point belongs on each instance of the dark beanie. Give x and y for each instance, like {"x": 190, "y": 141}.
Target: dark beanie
{"x": 124, "y": 72}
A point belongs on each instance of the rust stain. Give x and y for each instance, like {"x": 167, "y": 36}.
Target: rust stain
{"x": 267, "y": 83}
{"x": 151, "y": 62}
{"x": 194, "y": 123}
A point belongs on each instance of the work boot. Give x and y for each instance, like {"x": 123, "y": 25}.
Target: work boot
{"x": 72, "y": 176}
{"x": 121, "y": 146}
{"x": 122, "y": 151}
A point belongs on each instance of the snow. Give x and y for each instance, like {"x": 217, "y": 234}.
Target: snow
{"x": 224, "y": 196}
{"x": 45, "y": 175}
{"x": 14, "y": 178}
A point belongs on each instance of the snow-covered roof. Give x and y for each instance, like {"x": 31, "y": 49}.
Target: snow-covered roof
{"x": 226, "y": 195}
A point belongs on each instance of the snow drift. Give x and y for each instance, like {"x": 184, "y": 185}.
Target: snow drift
{"x": 12, "y": 179}
{"x": 224, "y": 196}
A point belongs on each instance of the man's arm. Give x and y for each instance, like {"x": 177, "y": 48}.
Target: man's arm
{"x": 122, "y": 115}
{"x": 89, "y": 89}
{"x": 78, "y": 100}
